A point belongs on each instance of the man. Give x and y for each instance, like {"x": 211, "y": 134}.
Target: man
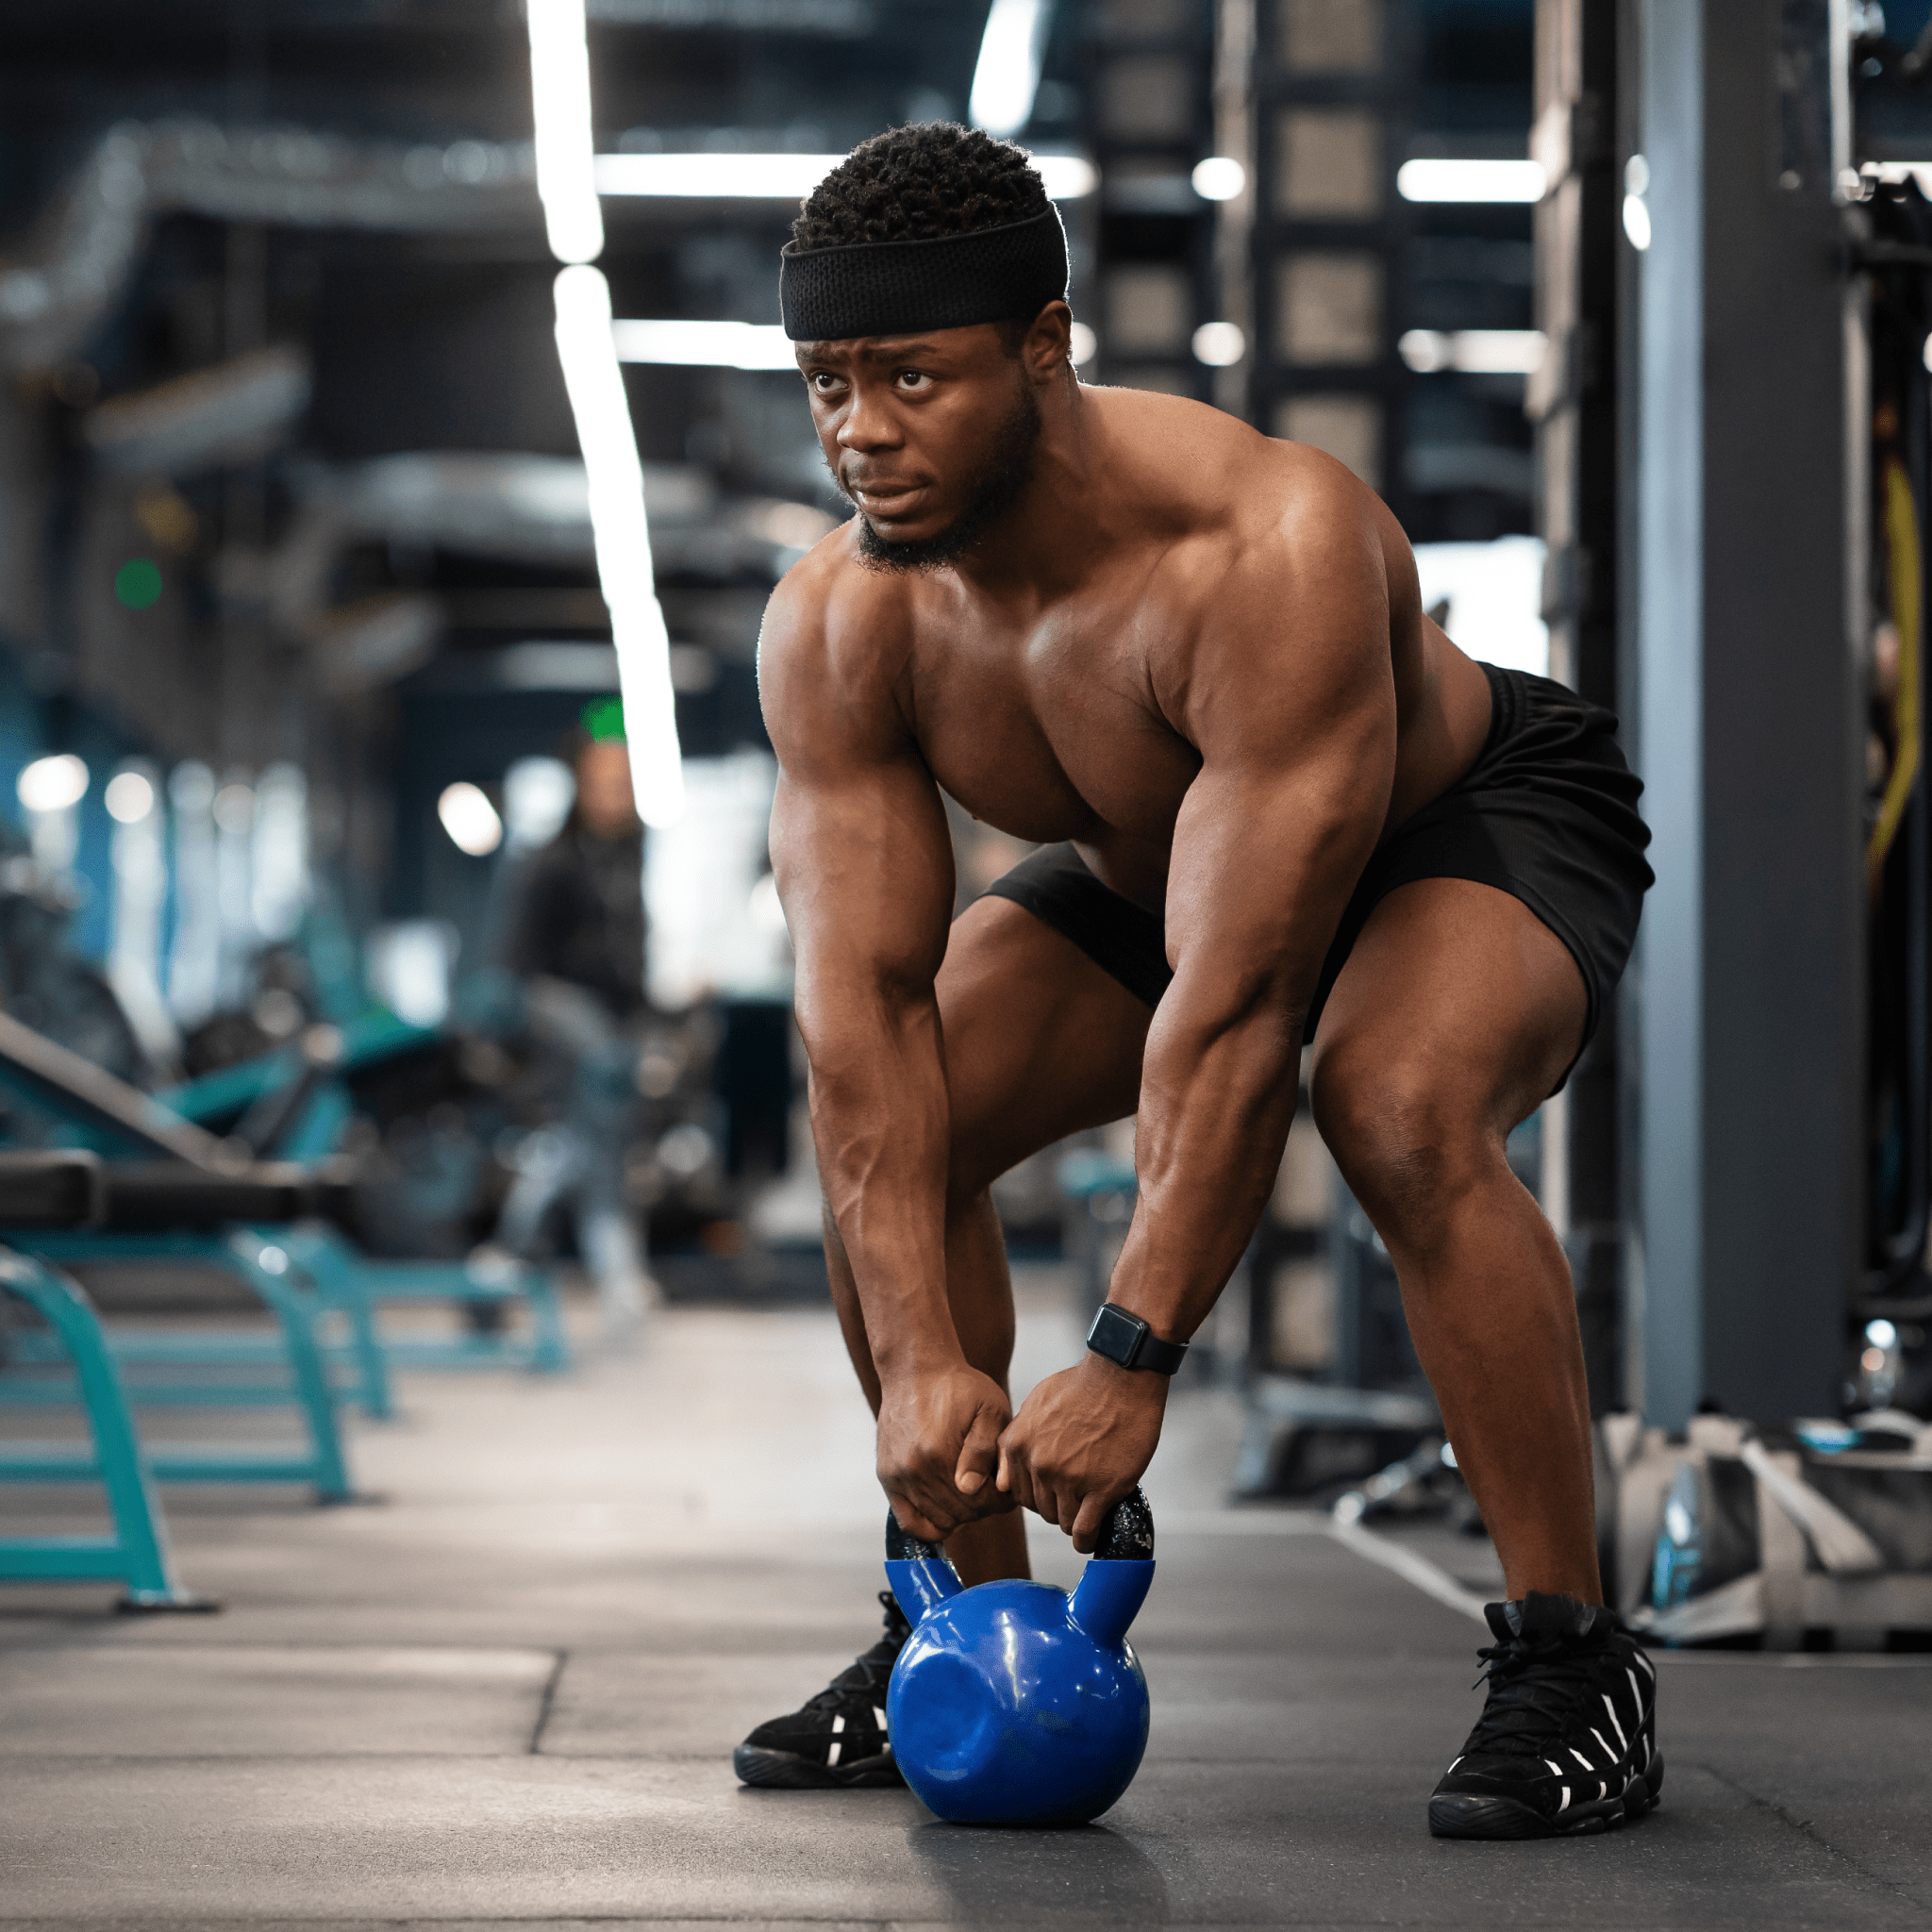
{"x": 576, "y": 935}
{"x": 1276, "y": 805}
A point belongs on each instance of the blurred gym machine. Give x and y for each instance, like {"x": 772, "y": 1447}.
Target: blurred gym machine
{"x": 1147, "y": 118}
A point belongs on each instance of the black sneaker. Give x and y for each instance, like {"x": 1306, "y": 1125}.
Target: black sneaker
{"x": 1567, "y": 1742}
{"x": 838, "y": 1740}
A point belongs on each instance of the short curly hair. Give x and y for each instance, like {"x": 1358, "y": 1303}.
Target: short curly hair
{"x": 915, "y": 184}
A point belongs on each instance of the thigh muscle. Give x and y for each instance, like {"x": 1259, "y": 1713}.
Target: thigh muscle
{"x": 1041, "y": 1043}
{"x": 1458, "y": 1010}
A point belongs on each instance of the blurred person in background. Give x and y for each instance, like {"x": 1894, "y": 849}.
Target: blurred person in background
{"x": 574, "y": 935}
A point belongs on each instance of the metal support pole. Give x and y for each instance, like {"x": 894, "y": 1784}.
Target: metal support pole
{"x": 1749, "y": 493}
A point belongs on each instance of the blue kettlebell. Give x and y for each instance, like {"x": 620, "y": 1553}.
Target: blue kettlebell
{"x": 1014, "y": 1702}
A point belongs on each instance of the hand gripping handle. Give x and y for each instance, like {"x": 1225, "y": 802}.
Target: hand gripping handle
{"x": 1126, "y": 1535}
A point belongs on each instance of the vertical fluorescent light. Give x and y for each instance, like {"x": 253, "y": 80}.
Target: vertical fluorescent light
{"x": 590, "y": 374}
{"x": 1006, "y": 76}
{"x": 566, "y": 181}
{"x": 560, "y": 92}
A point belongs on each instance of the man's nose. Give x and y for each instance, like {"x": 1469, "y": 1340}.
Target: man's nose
{"x": 868, "y": 425}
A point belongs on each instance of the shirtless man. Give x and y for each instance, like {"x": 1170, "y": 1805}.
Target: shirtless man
{"x": 1191, "y": 664}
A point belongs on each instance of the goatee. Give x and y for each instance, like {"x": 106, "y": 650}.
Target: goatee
{"x": 991, "y": 494}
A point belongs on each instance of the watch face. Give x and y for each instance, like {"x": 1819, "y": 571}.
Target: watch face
{"x": 1116, "y": 1335}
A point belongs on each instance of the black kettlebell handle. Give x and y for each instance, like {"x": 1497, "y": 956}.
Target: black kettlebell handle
{"x": 1126, "y": 1535}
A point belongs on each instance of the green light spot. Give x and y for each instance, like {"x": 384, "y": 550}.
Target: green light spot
{"x": 602, "y": 718}
{"x": 138, "y": 583}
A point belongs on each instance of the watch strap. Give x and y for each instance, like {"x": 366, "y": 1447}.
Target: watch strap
{"x": 1124, "y": 1339}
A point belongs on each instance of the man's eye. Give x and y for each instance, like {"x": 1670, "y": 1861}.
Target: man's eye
{"x": 913, "y": 378}
{"x": 822, "y": 381}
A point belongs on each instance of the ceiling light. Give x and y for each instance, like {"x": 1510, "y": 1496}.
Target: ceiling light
{"x": 1220, "y": 344}
{"x": 53, "y": 784}
{"x": 1220, "y": 177}
{"x": 781, "y": 177}
{"x": 594, "y": 382}
{"x": 1437, "y": 178}
{"x": 130, "y": 797}
{"x": 561, "y": 94}
{"x": 1474, "y": 351}
{"x": 567, "y": 182}
{"x": 469, "y": 820}
{"x": 1006, "y": 78}
{"x": 705, "y": 344}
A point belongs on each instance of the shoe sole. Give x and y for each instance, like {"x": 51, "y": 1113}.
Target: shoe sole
{"x": 786, "y": 1771}
{"x": 1469, "y": 1814}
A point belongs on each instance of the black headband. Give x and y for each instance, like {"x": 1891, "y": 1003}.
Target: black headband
{"x": 900, "y": 288}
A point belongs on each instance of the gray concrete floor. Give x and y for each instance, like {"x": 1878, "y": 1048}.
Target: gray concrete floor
{"x": 507, "y": 1696}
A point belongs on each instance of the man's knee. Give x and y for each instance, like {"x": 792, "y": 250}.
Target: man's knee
{"x": 1407, "y": 1148}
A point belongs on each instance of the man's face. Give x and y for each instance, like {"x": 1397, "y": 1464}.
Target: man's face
{"x": 604, "y": 796}
{"x": 931, "y": 436}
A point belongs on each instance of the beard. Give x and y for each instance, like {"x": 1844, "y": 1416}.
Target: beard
{"x": 989, "y": 495}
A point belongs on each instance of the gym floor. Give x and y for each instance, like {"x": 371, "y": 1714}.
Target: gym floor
{"x": 507, "y": 1696}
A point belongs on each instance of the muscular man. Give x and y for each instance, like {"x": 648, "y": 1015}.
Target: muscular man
{"x": 1276, "y": 805}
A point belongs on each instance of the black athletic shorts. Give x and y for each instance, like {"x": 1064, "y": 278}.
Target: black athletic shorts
{"x": 1547, "y": 813}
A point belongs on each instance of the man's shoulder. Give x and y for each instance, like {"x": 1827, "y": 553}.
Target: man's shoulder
{"x": 833, "y": 648}
{"x": 830, "y": 607}
{"x": 1220, "y": 479}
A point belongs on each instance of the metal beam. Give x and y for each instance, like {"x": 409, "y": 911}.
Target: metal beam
{"x": 1750, "y": 488}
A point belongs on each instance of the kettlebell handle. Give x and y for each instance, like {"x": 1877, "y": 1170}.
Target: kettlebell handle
{"x": 1126, "y": 1535}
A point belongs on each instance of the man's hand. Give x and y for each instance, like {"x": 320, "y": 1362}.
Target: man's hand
{"x": 1081, "y": 1440}
{"x": 939, "y": 1444}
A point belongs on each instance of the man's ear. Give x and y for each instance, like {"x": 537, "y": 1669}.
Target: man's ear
{"x": 1048, "y": 346}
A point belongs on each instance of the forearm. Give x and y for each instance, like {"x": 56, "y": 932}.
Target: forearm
{"x": 1217, "y": 1098}
{"x": 881, "y": 1125}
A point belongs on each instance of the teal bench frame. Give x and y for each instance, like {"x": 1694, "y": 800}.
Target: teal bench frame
{"x": 137, "y": 1554}
{"x": 261, "y": 1260}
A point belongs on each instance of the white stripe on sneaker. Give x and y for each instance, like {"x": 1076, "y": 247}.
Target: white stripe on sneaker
{"x": 832, "y": 1755}
{"x": 1622, "y": 1742}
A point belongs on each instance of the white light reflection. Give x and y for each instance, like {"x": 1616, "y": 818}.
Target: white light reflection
{"x": 1474, "y": 351}
{"x": 597, "y": 400}
{"x": 1440, "y": 178}
{"x": 704, "y": 344}
{"x": 567, "y": 180}
{"x": 1006, "y": 78}
{"x": 469, "y": 820}
{"x": 782, "y": 178}
{"x": 1220, "y": 177}
{"x": 53, "y": 784}
{"x": 1220, "y": 344}
{"x": 560, "y": 93}
{"x": 138, "y": 852}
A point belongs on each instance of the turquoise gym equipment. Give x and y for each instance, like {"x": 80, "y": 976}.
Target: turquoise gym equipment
{"x": 294, "y": 1097}
{"x": 294, "y": 1105}
{"x": 137, "y": 1553}
{"x": 356, "y": 1365}
{"x": 65, "y": 1203}
{"x": 347, "y": 1278}
{"x": 261, "y": 1265}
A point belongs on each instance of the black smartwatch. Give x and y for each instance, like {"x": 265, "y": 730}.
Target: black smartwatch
{"x": 1126, "y": 1340}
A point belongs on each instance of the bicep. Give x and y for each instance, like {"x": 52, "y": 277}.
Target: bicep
{"x": 864, "y": 868}
{"x": 860, "y": 847}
